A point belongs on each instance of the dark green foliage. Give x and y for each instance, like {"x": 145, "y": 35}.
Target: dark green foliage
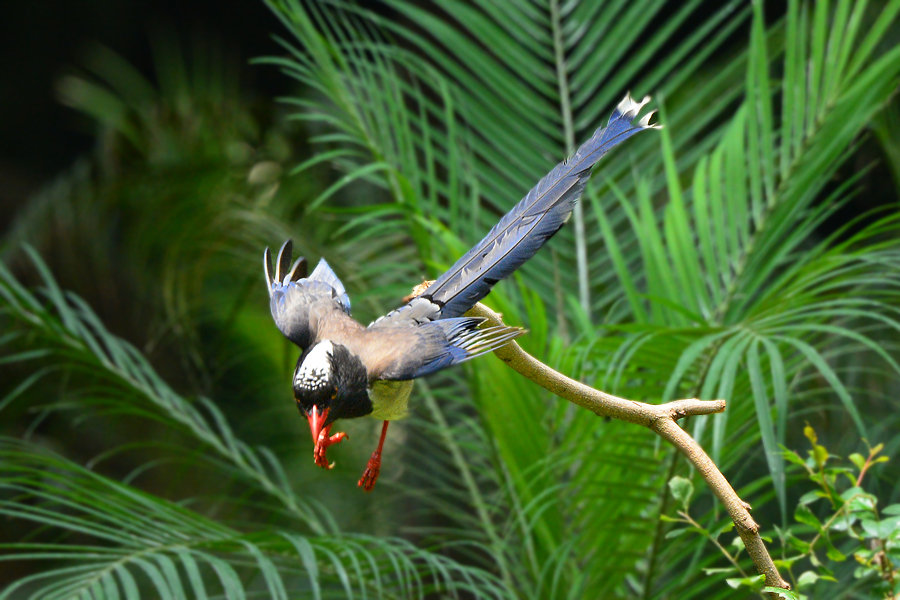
{"x": 174, "y": 465}
{"x": 840, "y": 534}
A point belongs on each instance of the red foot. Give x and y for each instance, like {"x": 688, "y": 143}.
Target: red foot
{"x": 370, "y": 475}
{"x": 322, "y": 444}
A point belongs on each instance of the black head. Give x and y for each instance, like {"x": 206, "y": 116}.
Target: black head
{"x": 331, "y": 380}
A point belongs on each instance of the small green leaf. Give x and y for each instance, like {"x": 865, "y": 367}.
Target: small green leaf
{"x": 754, "y": 582}
{"x": 805, "y": 516}
{"x": 676, "y": 533}
{"x": 787, "y": 563}
{"x": 814, "y": 559}
{"x": 786, "y": 594}
{"x": 849, "y": 493}
{"x": 843, "y": 523}
{"x": 834, "y": 554}
{"x": 810, "y": 497}
{"x": 806, "y": 579}
{"x": 801, "y": 546}
{"x": 858, "y": 460}
{"x": 791, "y": 456}
{"x": 682, "y": 489}
{"x": 725, "y": 528}
{"x": 859, "y": 501}
{"x": 883, "y": 529}
{"x": 892, "y": 509}
{"x": 863, "y": 556}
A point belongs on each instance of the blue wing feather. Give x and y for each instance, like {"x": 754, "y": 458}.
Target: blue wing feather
{"x": 524, "y": 229}
{"x": 436, "y": 345}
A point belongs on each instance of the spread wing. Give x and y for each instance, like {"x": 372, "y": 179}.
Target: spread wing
{"x": 524, "y": 229}
{"x": 304, "y": 307}
{"x": 401, "y": 352}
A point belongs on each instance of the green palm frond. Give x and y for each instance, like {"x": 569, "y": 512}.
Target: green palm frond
{"x": 701, "y": 252}
{"x": 543, "y": 76}
{"x": 192, "y": 112}
{"x": 130, "y": 544}
{"x": 735, "y": 254}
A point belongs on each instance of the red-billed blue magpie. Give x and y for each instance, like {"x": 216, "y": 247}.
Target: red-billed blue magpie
{"x": 347, "y": 370}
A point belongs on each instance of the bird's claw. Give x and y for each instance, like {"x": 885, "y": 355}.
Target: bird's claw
{"x": 370, "y": 475}
{"x": 322, "y": 444}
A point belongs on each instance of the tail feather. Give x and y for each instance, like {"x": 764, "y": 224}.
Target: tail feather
{"x": 285, "y": 272}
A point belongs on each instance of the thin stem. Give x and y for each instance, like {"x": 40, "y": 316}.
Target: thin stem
{"x": 658, "y": 537}
{"x": 690, "y": 521}
{"x": 869, "y": 462}
{"x": 565, "y": 108}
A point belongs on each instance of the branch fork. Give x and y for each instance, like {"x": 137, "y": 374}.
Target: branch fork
{"x": 660, "y": 418}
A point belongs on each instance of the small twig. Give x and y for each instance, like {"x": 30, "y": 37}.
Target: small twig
{"x": 662, "y": 419}
{"x": 869, "y": 462}
{"x": 687, "y": 518}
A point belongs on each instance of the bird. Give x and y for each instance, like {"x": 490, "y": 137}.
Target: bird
{"x": 347, "y": 370}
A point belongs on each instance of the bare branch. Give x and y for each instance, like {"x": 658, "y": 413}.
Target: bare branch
{"x": 661, "y": 418}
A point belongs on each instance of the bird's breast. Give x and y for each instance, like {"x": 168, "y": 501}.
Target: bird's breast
{"x": 390, "y": 399}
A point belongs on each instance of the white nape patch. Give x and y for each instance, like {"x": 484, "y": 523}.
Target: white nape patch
{"x": 315, "y": 370}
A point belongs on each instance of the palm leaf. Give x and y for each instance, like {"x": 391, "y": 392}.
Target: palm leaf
{"x": 127, "y": 543}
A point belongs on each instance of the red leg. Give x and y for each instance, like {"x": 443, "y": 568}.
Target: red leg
{"x": 370, "y": 475}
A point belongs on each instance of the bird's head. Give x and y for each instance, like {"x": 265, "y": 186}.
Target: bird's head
{"x": 330, "y": 383}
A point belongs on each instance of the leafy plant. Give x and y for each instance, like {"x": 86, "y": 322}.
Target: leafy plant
{"x": 849, "y": 525}
{"x": 703, "y": 265}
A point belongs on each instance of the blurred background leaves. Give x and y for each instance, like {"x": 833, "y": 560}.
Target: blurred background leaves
{"x": 748, "y": 252}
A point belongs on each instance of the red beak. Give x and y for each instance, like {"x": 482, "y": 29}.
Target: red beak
{"x": 316, "y": 423}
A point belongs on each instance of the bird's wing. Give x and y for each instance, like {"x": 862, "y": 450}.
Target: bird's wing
{"x": 524, "y": 229}
{"x": 400, "y": 352}
{"x": 303, "y": 307}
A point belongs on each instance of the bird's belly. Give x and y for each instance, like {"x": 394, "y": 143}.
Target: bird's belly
{"x": 389, "y": 399}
